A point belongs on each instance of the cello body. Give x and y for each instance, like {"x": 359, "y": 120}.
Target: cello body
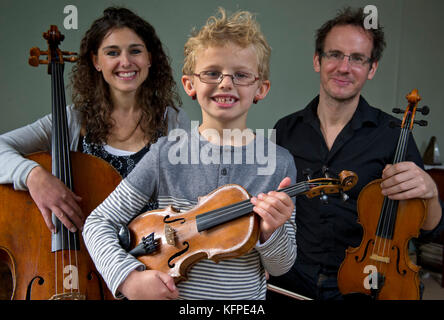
{"x": 25, "y": 241}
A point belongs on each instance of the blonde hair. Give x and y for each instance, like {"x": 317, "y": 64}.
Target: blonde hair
{"x": 240, "y": 28}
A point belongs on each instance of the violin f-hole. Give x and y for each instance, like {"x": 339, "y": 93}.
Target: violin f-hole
{"x": 165, "y": 219}
{"x": 398, "y": 253}
{"x": 365, "y": 251}
{"x": 177, "y": 254}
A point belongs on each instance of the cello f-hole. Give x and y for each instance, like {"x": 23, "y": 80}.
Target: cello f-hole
{"x": 28, "y": 291}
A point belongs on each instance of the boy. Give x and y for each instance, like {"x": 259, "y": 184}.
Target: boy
{"x": 225, "y": 69}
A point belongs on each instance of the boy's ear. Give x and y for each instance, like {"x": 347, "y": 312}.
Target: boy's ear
{"x": 262, "y": 91}
{"x": 188, "y": 85}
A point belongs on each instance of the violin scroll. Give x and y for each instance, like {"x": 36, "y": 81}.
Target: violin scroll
{"x": 323, "y": 186}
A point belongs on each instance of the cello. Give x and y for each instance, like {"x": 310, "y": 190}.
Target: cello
{"x": 380, "y": 267}
{"x": 45, "y": 265}
{"x": 221, "y": 226}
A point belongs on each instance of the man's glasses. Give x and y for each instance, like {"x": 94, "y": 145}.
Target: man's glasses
{"x": 238, "y": 78}
{"x": 355, "y": 59}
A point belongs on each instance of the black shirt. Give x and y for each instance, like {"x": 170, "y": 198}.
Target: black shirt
{"x": 365, "y": 145}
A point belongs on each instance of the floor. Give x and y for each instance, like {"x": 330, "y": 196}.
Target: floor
{"x": 432, "y": 285}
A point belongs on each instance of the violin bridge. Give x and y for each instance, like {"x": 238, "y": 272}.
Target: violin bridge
{"x": 170, "y": 235}
{"x": 379, "y": 258}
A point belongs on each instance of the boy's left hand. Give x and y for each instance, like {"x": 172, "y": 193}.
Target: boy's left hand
{"x": 274, "y": 208}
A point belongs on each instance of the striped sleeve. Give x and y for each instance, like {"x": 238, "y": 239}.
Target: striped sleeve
{"x": 279, "y": 252}
{"x": 100, "y": 233}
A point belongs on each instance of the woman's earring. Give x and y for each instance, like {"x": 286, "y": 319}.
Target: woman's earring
{"x": 255, "y": 101}
{"x": 193, "y": 97}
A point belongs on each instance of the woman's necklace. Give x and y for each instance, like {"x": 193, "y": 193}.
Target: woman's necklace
{"x": 125, "y": 138}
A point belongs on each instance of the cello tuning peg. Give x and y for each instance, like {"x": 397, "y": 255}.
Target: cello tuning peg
{"x": 70, "y": 59}
{"x": 424, "y": 110}
{"x": 421, "y": 123}
{"x": 397, "y": 110}
{"x": 307, "y": 173}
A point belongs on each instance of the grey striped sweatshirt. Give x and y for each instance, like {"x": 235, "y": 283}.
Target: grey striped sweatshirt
{"x": 177, "y": 170}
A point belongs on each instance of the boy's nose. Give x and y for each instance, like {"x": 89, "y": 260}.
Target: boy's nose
{"x": 227, "y": 82}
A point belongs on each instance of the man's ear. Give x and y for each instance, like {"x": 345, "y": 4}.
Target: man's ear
{"x": 372, "y": 71}
{"x": 316, "y": 62}
{"x": 187, "y": 84}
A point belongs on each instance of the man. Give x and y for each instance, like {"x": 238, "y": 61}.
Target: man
{"x": 339, "y": 130}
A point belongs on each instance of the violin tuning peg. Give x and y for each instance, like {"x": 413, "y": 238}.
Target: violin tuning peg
{"x": 394, "y": 124}
{"x": 344, "y": 196}
{"x": 325, "y": 171}
{"x": 397, "y": 110}
{"x": 307, "y": 173}
{"x": 424, "y": 110}
{"x": 421, "y": 123}
{"x": 323, "y": 198}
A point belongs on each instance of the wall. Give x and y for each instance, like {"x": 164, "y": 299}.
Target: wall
{"x": 412, "y": 59}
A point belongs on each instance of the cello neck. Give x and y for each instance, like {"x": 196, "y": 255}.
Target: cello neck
{"x": 61, "y": 166}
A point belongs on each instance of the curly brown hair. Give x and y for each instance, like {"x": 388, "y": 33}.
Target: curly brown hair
{"x": 90, "y": 92}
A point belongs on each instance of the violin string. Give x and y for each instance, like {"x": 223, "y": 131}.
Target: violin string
{"x": 389, "y": 209}
{"x": 239, "y": 207}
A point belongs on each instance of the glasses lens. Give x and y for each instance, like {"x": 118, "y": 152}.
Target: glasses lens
{"x": 210, "y": 76}
{"x": 243, "y": 78}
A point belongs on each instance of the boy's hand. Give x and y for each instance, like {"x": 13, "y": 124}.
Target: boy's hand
{"x": 149, "y": 285}
{"x": 274, "y": 208}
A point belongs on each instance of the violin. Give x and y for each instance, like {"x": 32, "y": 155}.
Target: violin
{"x": 221, "y": 226}
{"x": 44, "y": 265}
{"x": 381, "y": 267}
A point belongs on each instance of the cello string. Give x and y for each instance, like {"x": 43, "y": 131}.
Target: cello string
{"x": 68, "y": 173}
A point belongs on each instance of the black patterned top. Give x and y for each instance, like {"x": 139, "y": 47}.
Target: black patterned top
{"x": 123, "y": 164}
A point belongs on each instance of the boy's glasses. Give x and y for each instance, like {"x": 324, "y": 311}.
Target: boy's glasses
{"x": 354, "y": 59}
{"x": 216, "y": 77}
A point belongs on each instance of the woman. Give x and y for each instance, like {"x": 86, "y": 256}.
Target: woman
{"x": 124, "y": 98}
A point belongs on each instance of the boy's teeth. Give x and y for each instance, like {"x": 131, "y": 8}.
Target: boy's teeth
{"x": 224, "y": 100}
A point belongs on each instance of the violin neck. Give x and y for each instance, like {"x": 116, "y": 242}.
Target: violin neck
{"x": 225, "y": 214}
{"x": 387, "y": 217}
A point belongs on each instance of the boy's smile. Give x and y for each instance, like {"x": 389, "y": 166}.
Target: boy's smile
{"x": 225, "y": 105}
